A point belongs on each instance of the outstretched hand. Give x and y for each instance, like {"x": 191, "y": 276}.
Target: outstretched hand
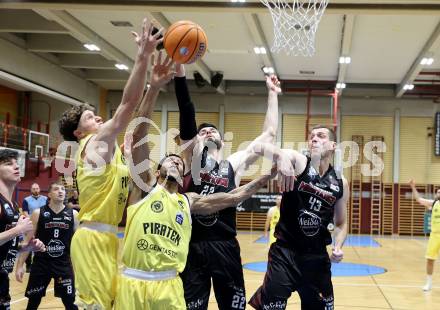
{"x": 162, "y": 71}
{"x": 286, "y": 174}
{"x": 146, "y": 41}
{"x": 273, "y": 84}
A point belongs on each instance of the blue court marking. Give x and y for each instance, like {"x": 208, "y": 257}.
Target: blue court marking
{"x": 262, "y": 239}
{"x": 338, "y": 270}
{"x": 120, "y": 235}
{"x": 352, "y": 240}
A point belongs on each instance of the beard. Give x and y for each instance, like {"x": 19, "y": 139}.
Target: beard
{"x": 213, "y": 142}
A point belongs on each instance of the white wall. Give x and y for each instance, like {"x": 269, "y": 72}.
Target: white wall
{"x": 296, "y": 104}
{"x": 19, "y": 62}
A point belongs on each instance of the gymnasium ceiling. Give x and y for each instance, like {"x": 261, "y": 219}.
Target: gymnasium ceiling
{"x": 386, "y": 41}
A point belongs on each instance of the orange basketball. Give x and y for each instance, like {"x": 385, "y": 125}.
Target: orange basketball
{"x": 185, "y": 42}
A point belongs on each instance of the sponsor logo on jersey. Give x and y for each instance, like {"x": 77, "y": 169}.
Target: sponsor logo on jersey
{"x": 224, "y": 168}
{"x": 9, "y": 261}
{"x": 275, "y": 305}
{"x": 56, "y": 225}
{"x": 214, "y": 179}
{"x": 318, "y": 192}
{"x": 46, "y": 214}
{"x": 143, "y": 245}
{"x": 181, "y": 204}
{"x": 67, "y": 218}
{"x": 55, "y": 248}
{"x": 157, "y": 206}
{"x": 179, "y": 218}
{"x": 334, "y": 187}
{"x": 8, "y": 209}
{"x": 162, "y": 230}
{"x": 309, "y": 223}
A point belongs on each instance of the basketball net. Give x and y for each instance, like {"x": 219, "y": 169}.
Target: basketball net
{"x": 294, "y": 24}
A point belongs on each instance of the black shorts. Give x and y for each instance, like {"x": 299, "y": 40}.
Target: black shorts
{"x": 287, "y": 272}
{"x": 221, "y": 262}
{"x": 43, "y": 272}
{"x": 5, "y": 298}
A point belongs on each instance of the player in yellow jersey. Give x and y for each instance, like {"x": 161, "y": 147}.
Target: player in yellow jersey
{"x": 158, "y": 228}
{"x": 102, "y": 178}
{"x": 433, "y": 248}
{"x": 273, "y": 215}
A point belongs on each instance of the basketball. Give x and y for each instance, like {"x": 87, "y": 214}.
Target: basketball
{"x": 185, "y": 42}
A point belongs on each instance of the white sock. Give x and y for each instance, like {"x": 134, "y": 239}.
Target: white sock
{"x": 428, "y": 284}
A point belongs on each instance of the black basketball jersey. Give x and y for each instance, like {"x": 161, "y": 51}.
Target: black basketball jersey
{"x": 55, "y": 231}
{"x": 306, "y": 212}
{"x": 8, "y": 219}
{"x": 219, "y": 225}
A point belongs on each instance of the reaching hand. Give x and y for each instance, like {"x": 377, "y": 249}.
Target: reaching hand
{"x": 19, "y": 273}
{"x": 161, "y": 73}
{"x": 24, "y": 225}
{"x": 146, "y": 41}
{"x": 273, "y": 84}
{"x": 286, "y": 174}
{"x": 337, "y": 255}
{"x": 35, "y": 245}
{"x": 412, "y": 183}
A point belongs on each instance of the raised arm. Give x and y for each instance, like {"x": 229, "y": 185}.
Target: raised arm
{"x": 137, "y": 150}
{"x": 218, "y": 201}
{"x": 340, "y": 220}
{"x": 242, "y": 159}
{"x": 132, "y": 93}
{"x": 187, "y": 116}
{"x": 423, "y": 201}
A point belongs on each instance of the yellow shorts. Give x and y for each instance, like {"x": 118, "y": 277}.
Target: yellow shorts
{"x": 135, "y": 294}
{"x": 94, "y": 259}
{"x": 433, "y": 248}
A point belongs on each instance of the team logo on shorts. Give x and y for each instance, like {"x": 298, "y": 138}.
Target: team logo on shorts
{"x": 157, "y": 206}
{"x": 142, "y": 244}
{"x": 179, "y": 218}
{"x": 309, "y": 223}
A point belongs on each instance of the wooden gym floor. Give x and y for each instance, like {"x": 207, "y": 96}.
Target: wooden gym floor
{"x": 398, "y": 288}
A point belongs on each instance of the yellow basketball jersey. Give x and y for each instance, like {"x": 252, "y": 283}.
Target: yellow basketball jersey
{"x": 102, "y": 192}
{"x": 275, "y": 218}
{"x": 435, "y": 217}
{"x": 158, "y": 232}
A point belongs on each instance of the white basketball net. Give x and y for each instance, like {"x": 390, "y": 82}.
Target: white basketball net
{"x": 294, "y": 24}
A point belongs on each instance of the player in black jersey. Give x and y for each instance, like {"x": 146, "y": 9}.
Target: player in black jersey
{"x": 214, "y": 251}
{"x": 12, "y": 225}
{"x": 298, "y": 260}
{"x": 54, "y": 224}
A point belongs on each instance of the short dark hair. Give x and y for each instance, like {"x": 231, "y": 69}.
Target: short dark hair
{"x": 159, "y": 165}
{"x": 332, "y": 134}
{"x": 7, "y": 155}
{"x": 204, "y": 125}
{"x": 53, "y": 184}
{"x": 70, "y": 120}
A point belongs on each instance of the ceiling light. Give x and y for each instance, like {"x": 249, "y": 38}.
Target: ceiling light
{"x": 121, "y": 66}
{"x": 408, "y": 87}
{"x": 268, "y": 70}
{"x": 91, "y": 47}
{"x": 340, "y": 85}
{"x": 344, "y": 59}
{"x": 259, "y": 50}
{"x": 427, "y": 61}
